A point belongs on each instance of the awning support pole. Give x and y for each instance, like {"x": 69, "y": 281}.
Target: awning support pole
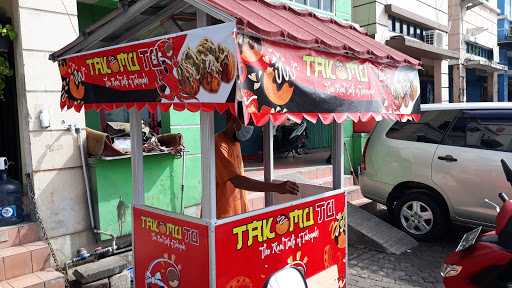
{"x": 208, "y": 205}
{"x": 268, "y": 159}
{"x": 137, "y": 164}
{"x": 209, "y": 199}
{"x": 137, "y": 157}
{"x": 337, "y": 156}
{"x": 338, "y": 173}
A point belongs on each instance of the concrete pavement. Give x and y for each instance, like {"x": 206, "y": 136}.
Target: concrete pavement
{"x": 419, "y": 268}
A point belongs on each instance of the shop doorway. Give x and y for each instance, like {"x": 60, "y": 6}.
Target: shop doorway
{"x": 427, "y": 84}
{"x": 9, "y": 128}
{"x": 476, "y": 84}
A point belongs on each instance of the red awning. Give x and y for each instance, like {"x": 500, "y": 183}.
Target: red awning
{"x": 293, "y": 64}
{"x": 280, "y": 22}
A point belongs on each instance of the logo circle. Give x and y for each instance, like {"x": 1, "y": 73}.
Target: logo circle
{"x": 7, "y": 212}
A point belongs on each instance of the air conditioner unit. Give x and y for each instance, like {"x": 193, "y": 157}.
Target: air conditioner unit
{"x": 434, "y": 38}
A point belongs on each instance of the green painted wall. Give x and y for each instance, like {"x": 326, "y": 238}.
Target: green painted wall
{"x": 187, "y": 123}
{"x": 320, "y": 137}
{"x": 344, "y": 9}
{"x": 89, "y": 14}
{"x": 364, "y": 13}
{"x": 111, "y": 186}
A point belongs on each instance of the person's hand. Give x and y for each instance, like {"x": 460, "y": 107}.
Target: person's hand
{"x": 288, "y": 187}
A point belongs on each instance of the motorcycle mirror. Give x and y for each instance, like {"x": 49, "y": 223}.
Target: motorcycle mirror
{"x": 503, "y": 197}
{"x": 289, "y": 277}
{"x": 507, "y": 171}
{"x": 493, "y": 204}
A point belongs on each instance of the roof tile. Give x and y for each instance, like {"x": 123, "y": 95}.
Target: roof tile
{"x": 281, "y": 22}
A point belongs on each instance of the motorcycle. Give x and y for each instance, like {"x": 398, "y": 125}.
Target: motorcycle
{"x": 484, "y": 260}
{"x": 290, "y": 139}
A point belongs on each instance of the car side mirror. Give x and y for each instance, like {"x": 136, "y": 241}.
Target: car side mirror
{"x": 289, "y": 277}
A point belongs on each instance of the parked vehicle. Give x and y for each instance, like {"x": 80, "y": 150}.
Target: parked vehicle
{"x": 291, "y": 276}
{"x": 484, "y": 260}
{"x": 290, "y": 139}
{"x": 439, "y": 168}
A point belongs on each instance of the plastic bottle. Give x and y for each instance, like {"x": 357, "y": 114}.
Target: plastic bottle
{"x": 11, "y": 211}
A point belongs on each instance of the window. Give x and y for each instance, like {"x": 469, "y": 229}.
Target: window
{"x": 325, "y": 5}
{"x": 480, "y": 51}
{"x": 488, "y": 130}
{"x": 314, "y": 4}
{"x": 430, "y": 129}
{"x": 408, "y": 29}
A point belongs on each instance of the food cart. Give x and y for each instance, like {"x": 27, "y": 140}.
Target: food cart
{"x": 212, "y": 68}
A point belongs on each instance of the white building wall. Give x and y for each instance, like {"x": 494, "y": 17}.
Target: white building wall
{"x": 463, "y": 28}
{"x": 372, "y": 16}
{"x": 434, "y": 10}
{"x": 484, "y": 16}
{"x": 51, "y": 154}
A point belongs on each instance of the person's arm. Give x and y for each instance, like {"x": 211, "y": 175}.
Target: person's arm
{"x": 249, "y": 184}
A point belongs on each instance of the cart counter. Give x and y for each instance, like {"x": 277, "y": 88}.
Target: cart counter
{"x": 249, "y": 249}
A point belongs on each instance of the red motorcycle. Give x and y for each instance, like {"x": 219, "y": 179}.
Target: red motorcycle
{"x": 484, "y": 260}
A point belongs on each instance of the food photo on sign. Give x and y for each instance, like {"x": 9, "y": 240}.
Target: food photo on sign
{"x": 209, "y": 64}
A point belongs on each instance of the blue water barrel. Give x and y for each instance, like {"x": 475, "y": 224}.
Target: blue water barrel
{"x": 11, "y": 210}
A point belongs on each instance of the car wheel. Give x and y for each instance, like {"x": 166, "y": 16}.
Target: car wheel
{"x": 421, "y": 216}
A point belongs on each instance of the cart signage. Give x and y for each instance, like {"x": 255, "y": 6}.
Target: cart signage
{"x": 198, "y": 66}
{"x": 309, "y": 236}
{"x": 169, "y": 252}
{"x": 278, "y": 77}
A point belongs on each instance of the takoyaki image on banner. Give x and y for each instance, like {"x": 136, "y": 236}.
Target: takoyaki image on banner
{"x": 286, "y": 78}
{"x": 260, "y": 250}
{"x": 197, "y": 66}
{"x": 169, "y": 252}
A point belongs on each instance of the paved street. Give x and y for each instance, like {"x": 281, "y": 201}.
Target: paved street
{"x": 418, "y": 268}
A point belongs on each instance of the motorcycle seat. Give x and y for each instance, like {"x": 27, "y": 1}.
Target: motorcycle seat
{"x": 497, "y": 240}
{"x": 493, "y": 239}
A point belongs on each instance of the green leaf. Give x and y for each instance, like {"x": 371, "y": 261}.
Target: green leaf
{"x": 12, "y": 35}
{"x": 8, "y": 31}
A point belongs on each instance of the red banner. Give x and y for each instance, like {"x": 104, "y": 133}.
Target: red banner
{"x": 310, "y": 236}
{"x": 169, "y": 252}
{"x": 194, "y": 67}
{"x": 281, "y": 78}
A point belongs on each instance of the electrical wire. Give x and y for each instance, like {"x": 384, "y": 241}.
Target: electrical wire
{"x": 69, "y": 17}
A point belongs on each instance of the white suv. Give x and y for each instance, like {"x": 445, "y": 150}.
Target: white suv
{"x": 440, "y": 168}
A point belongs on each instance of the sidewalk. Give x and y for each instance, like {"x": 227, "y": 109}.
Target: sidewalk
{"x": 419, "y": 268}
{"x": 309, "y": 169}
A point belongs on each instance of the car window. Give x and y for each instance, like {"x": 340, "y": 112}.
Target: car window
{"x": 430, "y": 129}
{"x": 489, "y": 130}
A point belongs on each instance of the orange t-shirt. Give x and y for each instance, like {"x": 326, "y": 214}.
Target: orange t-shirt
{"x": 228, "y": 163}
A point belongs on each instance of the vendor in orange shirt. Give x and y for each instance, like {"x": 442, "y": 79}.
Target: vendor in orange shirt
{"x": 231, "y": 184}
